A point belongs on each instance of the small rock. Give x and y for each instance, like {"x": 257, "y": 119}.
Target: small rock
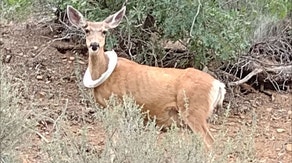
{"x": 213, "y": 129}
{"x": 64, "y": 60}
{"x": 72, "y": 58}
{"x": 280, "y": 130}
{"x": 69, "y": 61}
{"x": 1, "y": 41}
{"x": 7, "y": 58}
{"x": 242, "y": 116}
{"x": 273, "y": 97}
{"x": 289, "y": 147}
{"x": 267, "y": 135}
{"x": 289, "y": 112}
{"x": 81, "y": 62}
{"x": 39, "y": 77}
{"x": 8, "y": 50}
{"x": 35, "y": 47}
{"x": 269, "y": 109}
{"x": 90, "y": 110}
{"x": 231, "y": 124}
{"x": 51, "y": 96}
{"x": 42, "y": 94}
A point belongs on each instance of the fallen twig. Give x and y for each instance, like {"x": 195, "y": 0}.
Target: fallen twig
{"x": 287, "y": 69}
{"x": 246, "y": 78}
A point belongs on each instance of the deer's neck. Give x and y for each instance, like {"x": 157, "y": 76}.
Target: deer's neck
{"x": 100, "y": 67}
{"x": 97, "y": 64}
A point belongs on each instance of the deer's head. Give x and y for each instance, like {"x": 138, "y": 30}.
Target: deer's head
{"x": 95, "y": 31}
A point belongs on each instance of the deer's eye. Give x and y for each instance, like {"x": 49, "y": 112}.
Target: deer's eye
{"x": 104, "y": 32}
{"x": 87, "y": 31}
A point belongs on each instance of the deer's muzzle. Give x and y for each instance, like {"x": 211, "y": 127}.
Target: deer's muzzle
{"x": 94, "y": 46}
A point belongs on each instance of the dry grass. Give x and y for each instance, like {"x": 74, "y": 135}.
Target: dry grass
{"x": 15, "y": 123}
{"x": 127, "y": 138}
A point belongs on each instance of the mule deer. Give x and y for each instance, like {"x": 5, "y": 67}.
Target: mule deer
{"x": 161, "y": 91}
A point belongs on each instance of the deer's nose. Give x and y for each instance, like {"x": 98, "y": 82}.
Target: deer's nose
{"x": 94, "y": 46}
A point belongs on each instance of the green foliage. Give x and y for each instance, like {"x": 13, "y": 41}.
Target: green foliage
{"x": 278, "y": 8}
{"x": 219, "y": 33}
{"x": 214, "y": 29}
{"x": 15, "y": 9}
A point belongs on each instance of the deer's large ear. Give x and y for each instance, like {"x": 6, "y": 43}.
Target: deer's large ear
{"x": 75, "y": 17}
{"x": 114, "y": 20}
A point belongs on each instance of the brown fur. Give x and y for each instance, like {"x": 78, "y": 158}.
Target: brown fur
{"x": 164, "y": 92}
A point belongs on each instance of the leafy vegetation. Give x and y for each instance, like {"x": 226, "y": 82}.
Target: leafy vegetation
{"x": 15, "y": 9}
{"x": 211, "y": 30}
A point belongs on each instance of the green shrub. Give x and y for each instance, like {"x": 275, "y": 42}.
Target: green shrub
{"x": 15, "y": 9}
{"x": 211, "y": 30}
{"x": 215, "y": 30}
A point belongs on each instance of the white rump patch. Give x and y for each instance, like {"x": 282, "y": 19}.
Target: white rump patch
{"x": 87, "y": 79}
{"x": 216, "y": 95}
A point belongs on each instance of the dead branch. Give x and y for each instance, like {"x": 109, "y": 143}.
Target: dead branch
{"x": 286, "y": 69}
{"x": 246, "y": 78}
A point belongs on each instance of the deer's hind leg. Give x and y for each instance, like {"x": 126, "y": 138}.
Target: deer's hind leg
{"x": 195, "y": 113}
{"x": 198, "y": 124}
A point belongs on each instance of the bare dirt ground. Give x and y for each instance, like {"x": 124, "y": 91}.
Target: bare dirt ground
{"x": 51, "y": 81}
